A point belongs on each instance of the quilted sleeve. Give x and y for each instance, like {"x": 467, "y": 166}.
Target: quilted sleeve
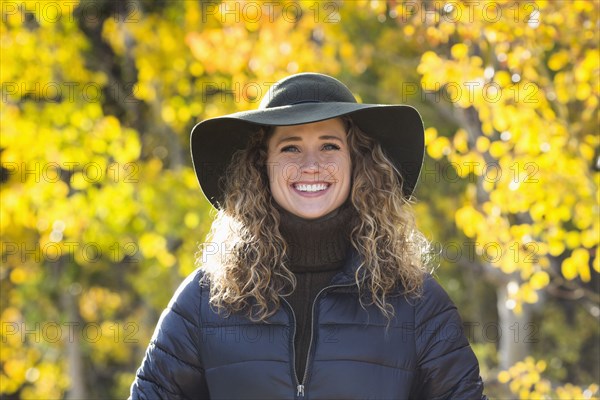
{"x": 447, "y": 366}
{"x": 172, "y": 367}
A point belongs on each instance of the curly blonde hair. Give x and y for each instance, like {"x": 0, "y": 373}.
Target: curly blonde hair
{"x": 249, "y": 273}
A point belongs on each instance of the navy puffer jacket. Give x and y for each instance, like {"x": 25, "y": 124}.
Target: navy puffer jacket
{"x": 197, "y": 354}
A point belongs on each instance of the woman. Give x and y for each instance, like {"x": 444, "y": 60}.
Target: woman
{"x": 319, "y": 289}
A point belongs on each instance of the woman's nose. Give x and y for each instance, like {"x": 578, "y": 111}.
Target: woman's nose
{"x": 311, "y": 166}
{"x": 310, "y": 163}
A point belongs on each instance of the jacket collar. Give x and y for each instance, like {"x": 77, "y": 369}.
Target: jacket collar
{"x": 346, "y": 275}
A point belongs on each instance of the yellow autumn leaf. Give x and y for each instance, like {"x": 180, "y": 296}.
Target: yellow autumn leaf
{"x": 584, "y": 272}
{"x": 581, "y": 255}
{"x": 151, "y": 244}
{"x": 482, "y": 144}
{"x": 191, "y": 219}
{"x": 166, "y": 259}
{"x": 79, "y": 181}
{"x": 460, "y": 141}
{"x": 508, "y": 265}
{"x": 430, "y": 135}
{"x": 528, "y": 294}
{"x": 497, "y": 149}
{"x": 589, "y": 237}
{"x": 539, "y": 280}
{"x": 583, "y": 91}
{"x": 569, "y": 269}
{"x": 581, "y": 258}
{"x": 503, "y": 79}
{"x": 503, "y": 377}
{"x": 18, "y": 275}
{"x": 439, "y": 147}
{"x": 556, "y": 247}
{"x": 558, "y": 60}
{"x": 572, "y": 239}
{"x": 459, "y": 51}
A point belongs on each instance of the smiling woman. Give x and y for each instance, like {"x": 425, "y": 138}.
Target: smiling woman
{"x": 321, "y": 289}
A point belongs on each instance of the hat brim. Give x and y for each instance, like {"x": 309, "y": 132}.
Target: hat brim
{"x": 398, "y": 128}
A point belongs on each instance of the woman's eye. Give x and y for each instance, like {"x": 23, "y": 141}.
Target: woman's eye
{"x": 292, "y": 149}
{"x": 331, "y": 146}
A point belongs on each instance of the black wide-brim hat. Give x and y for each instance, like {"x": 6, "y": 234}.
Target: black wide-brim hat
{"x": 301, "y": 99}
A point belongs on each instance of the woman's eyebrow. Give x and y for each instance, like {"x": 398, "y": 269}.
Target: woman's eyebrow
{"x": 289, "y": 139}
{"x": 298, "y": 138}
{"x": 329, "y": 137}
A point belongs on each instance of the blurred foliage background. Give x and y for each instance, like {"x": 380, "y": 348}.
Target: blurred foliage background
{"x": 102, "y": 217}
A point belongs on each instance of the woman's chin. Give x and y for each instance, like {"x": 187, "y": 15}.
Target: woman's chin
{"x": 310, "y": 212}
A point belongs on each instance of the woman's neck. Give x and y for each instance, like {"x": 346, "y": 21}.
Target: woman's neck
{"x": 317, "y": 244}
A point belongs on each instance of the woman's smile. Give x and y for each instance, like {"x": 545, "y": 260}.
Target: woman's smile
{"x": 310, "y": 187}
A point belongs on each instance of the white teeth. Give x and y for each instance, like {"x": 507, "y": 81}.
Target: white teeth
{"x": 311, "y": 188}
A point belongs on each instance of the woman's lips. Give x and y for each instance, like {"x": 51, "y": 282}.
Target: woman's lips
{"x": 311, "y": 189}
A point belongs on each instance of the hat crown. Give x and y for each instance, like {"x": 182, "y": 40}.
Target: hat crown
{"x": 306, "y": 88}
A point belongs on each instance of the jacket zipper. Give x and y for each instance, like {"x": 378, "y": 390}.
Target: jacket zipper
{"x": 300, "y": 385}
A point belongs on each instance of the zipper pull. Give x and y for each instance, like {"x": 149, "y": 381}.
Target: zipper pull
{"x": 300, "y": 392}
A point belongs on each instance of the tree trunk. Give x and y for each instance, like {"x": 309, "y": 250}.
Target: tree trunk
{"x": 77, "y": 389}
{"x": 514, "y": 330}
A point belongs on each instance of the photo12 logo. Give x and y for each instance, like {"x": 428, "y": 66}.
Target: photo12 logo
{"x": 53, "y": 12}
{"x": 517, "y": 173}
{"x": 468, "y": 91}
{"x": 68, "y": 331}
{"x": 526, "y": 12}
{"x": 255, "y": 11}
{"x": 90, "y": 252}
{"x": 52, "y": 172}
{"x": 69, "y": 92}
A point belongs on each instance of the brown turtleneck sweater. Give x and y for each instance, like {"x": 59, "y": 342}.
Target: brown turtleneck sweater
{"x": 317, "y": 251}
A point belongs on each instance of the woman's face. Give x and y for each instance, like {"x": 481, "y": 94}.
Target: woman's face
{"x": 309, "y": 167}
